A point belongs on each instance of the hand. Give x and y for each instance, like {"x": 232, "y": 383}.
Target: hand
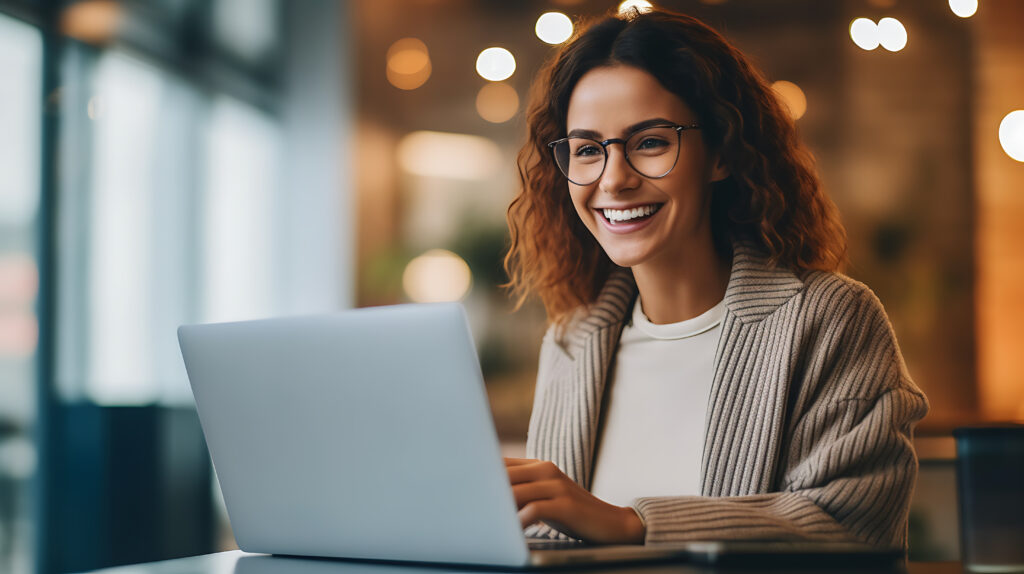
{"x": 544, "y": 493}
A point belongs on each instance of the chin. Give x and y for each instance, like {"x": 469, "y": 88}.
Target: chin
{"x": 626, "y": 258}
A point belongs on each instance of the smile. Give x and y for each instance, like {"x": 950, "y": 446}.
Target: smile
{"x": 620, "y": 216}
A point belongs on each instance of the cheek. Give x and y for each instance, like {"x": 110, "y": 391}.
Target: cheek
{"x": 580, "y": 198}
{"x": 690, "y": 168}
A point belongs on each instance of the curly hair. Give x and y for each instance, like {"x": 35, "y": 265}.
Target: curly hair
{"x": 772, "y": 197}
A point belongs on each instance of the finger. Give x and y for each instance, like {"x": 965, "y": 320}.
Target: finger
{"x": 540, "y": 470}
{"x": 519, "y": 461}
{"x": 539, "y": 510}
{"x": 541, "y": 490}
{"x": 527, "y": 473}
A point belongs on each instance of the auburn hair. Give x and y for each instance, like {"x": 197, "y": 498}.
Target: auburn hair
{"x": 772, "y": 196}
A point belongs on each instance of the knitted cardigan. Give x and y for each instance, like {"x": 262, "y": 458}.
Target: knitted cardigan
{"x": 809, "y": 421}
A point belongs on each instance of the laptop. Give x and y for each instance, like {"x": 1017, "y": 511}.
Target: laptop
{"x": 367, "y": 434}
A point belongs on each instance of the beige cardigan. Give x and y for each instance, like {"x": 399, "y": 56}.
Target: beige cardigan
{"x": 810, "y": 418}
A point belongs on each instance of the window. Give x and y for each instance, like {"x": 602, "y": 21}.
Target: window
{"x": 171, "y": 214}
{"x": 20, "y": 114}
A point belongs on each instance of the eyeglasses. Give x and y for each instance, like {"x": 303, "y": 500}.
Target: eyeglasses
{"x": 652, "y": 152}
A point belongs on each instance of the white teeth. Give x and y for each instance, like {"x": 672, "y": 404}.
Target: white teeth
{"x": 627, "y": 214}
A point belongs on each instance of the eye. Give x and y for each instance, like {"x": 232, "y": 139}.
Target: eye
{"x": 651, "y": 143}
{"x": 587, "y": 150}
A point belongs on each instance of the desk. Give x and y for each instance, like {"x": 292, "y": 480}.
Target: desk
{"x": 238, "y": 562}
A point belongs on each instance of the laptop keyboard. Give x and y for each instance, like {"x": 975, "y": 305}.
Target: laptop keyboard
{"x": 545, "y": 544}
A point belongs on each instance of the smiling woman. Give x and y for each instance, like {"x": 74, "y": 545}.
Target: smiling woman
{"x": 708, "y": 373}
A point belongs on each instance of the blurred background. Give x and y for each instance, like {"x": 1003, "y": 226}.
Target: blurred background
{"x": 178, "y": 161}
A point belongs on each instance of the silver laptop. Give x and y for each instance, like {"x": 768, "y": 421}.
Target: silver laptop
{"x": 364, "y": 434}
{"x": 361, "y": 434}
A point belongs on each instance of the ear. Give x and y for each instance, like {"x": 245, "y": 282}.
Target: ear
{"x": 720, "y": 171}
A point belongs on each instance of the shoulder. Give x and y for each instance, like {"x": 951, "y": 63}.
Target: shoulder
{"x": 835, "y": 297}
{"x": 847, "y": 334}
{"x": 760, "y": 288}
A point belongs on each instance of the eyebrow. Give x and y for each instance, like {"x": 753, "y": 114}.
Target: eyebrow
{"x": 591, "y": 134}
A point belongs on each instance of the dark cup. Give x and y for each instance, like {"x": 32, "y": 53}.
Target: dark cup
{"x": 990, "y": 488}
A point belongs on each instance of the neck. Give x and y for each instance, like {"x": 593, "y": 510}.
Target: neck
{"x": 685, "y": 287}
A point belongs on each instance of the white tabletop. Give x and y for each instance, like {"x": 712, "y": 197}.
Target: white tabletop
{"x": 220, "y": 563}
{"x": 238, "y": 562}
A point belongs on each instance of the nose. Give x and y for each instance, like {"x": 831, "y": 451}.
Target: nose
{"x": 618, "y": 174}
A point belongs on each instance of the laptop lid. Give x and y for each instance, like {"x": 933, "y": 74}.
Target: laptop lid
{"x": 360, "y": 434}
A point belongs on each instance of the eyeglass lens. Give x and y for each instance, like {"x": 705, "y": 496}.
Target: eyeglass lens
{"x": 652, "y": 152}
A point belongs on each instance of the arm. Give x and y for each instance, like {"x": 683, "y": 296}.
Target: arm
{"x": 849, "y": 465}
{"x": 543, "y": 492}
{"x": 855, "y": 486}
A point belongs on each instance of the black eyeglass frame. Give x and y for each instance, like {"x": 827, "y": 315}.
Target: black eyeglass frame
{"x": 604, "y": 147}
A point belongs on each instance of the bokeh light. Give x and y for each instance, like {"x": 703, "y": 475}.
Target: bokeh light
{"x": 437, "y": 275}
{"x": 408, "y": 64}
{"x": 92, "y": 21}
{"x": 449, "y": 155}
{"x": 495, "y": 64}
{"x": 553, "y": 27}
{"x": 792, "y": 96}
{"x": 864, "y": 33}
{"x": 642, "y": 6}
{"x": 1011, "y": 134}
{"x": 497, "y": 102}
{"x": 891, "y": 34}
{"x": 963, "y": 8}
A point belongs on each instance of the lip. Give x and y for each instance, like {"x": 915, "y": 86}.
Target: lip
{"x": 625, "y": 228}
{"x": 629, "y": 206}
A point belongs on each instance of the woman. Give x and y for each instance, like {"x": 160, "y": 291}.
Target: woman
{"x": 707, "y": 373}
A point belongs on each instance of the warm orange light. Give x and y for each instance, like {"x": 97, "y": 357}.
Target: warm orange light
{"x": 449, "y": 155}
{"x": 437, "y": 275}
{"x": 792, "y": 96}
{"x": 408, "y": 64}
{"x": 497, "y": 102}
{"x": 91, "y": 21}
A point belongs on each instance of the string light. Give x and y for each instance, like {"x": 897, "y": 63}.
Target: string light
{"x": 864, "y": 33}
{"x": 891, "y": 34}
{"x": 963, "y": 8}
{"x": 1011, "y": 134}
{"x": 642, "y": 6}
{"x": 553, "y": 27}
{"x": 495, "y": 64}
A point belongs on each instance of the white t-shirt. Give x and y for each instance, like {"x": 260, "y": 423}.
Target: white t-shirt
{"x": 652, "y": 435}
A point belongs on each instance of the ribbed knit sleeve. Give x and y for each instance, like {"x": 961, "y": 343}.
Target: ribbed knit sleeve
{"x": 544, "y": 419}
{"x": 847, "y": 463}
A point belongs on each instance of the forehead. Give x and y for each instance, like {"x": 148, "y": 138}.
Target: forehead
{"x": 607, "y": 99}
